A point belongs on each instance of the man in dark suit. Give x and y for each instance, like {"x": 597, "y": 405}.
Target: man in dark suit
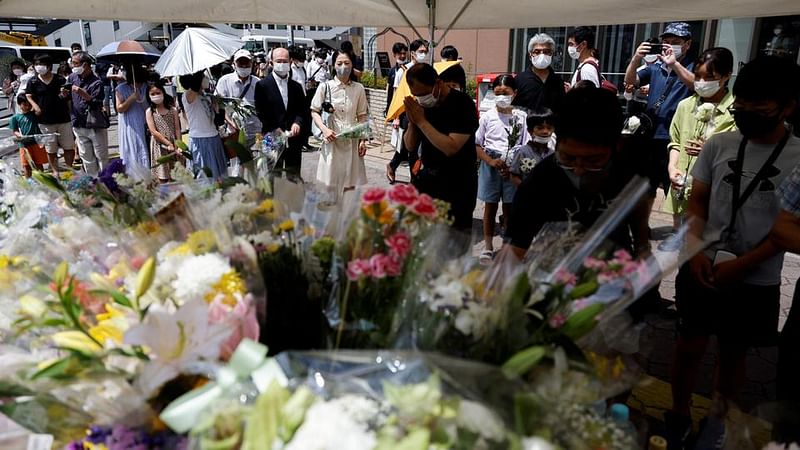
{"x": 281, "y": 105}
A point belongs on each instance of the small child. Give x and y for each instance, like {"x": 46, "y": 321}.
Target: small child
{"x": 22, "y": 124}
{"x": 541, "y": 124}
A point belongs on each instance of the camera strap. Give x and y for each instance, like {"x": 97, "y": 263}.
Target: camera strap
{"x": 738, "y": 201}
{"x": 664, "y": 94}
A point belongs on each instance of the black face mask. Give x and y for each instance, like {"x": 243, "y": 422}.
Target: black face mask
{"x": 753, "y": 125}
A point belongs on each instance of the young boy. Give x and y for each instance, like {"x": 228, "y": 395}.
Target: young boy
{"x": 24, "y": 124}
{"x": 731, "y": 290}
{"x": 541, "y": 124}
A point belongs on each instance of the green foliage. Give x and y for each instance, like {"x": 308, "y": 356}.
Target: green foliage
{"x": 472, "y": 86}
{"x": 369, "y": 80}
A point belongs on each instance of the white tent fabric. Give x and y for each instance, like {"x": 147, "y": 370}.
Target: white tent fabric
{"x": 196, "y": 49}
{"x": 383, "y": 13}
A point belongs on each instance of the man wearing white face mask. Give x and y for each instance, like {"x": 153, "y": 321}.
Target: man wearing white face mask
{"x": 670, "y": 81}
{"x": 87, "y": 99}
{"x": 241, "y": 84}
{"x": 419, "y": 53}
{"x": 280, "y": 104}
{"x": 540, "y": 86}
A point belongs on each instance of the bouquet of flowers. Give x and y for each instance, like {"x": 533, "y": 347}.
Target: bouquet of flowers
{"x": 376, "y": 257}
{"x": 360, "y": 130}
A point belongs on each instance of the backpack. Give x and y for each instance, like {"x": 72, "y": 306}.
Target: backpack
{"x": 604, "y": 83}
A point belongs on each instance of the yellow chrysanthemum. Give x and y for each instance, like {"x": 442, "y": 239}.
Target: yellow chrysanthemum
{"x": 287, "y": 225}
{"x": 265, "y": 207}
{"x": 228, "y": 285}
{"x": 198, "y": 243}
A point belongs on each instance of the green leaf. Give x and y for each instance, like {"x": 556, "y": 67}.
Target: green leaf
{"x": 54, "y": 323}
{"x": 582, "y": 322}
{"x": 522, "y": 362}
{"x": 117, "y": 296}
{"x": 241, "y": 151}
{"x": 584, "y": 290}
{"x": 55, "y": 370}
{"x": 181, "y": 145}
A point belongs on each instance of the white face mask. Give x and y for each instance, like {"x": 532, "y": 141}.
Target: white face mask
{"x": 677, "y": 50}
{"x": 18, "y": 72}
{"x": 41, "y": 70}
{"x": 706, "y": 89}
{"x": 157, "y": 99}
{"x": 427, "y": 101}
{"x": 627, "y": 95}
{"x": 343, "y": 71}
{"x": 651, "y": 58}
{"x": 541, "y": 61}
{"x": 573, "y": 52}
{"x": 421, "y": 56}
{"x": 401, "y": 61}
{"x": 282, "y": 69}
{"x": 320, "y": 60}
{"x": 244, "y": 72}
{"x": 77, "y": 70}
{"x": 205, "y": 83}
{"x": 503, "y": 101}
{"x": 541, "y": 140}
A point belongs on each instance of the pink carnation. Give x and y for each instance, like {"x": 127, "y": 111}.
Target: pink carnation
{"x": 399, "y": 244}
{"x": 622, "y": 256}
{"x": 403, "y": 194}
{"x": 379, "y": 265}
{"x": 566, "y": 278}
{"x": 240, "y": 319}
{"x": 425, "y": 206}
{"x": 557, "y": 320}
{"x": 374, "y": 195}
{"x": 630, "y": 267}
{"x": 393, "y": 265}
{"x": 595, "y": 264}
{"x": 358, "y": 268}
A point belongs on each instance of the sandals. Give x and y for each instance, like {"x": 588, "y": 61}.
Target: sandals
{"x": 486, "y": 258}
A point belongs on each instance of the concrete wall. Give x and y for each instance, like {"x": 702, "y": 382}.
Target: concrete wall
{"x": 102, "y": 33}
{"x": 483, "y": 50}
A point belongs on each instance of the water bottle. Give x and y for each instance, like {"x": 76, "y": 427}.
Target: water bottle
{"x": 620, "y": 414}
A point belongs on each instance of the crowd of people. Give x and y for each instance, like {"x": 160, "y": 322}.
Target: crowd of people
{"x": 550, "y": 150}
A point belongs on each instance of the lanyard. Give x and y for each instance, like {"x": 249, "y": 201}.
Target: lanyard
{"x": 738, "y": 201}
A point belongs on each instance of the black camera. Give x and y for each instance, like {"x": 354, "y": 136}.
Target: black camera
{"x": 656, "y": 48}
{"x": 327, "y": 107}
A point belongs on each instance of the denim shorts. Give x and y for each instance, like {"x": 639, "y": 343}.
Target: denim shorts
{"x": 492, "y": 187}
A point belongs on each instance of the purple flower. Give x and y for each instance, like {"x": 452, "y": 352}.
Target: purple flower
{"x": 107, "y": 175}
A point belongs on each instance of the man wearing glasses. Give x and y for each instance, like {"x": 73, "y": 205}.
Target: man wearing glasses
{"x": 539, "y": 86}
{"x": 584, "y": 175}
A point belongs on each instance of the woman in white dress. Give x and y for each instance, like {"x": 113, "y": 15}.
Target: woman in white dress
{"x": 341, "y": 160}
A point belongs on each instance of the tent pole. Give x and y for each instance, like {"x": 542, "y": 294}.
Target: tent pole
{"x": 455, "y": 19}
{"x": 431, "y": 27}
{"x": 408, "y": 22}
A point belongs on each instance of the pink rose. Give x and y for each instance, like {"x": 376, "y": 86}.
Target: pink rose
{"x": 378, "y": 264}
{"x": 622, "y": 256}
{"x": 241, "y": 320}
{"x": 557, "y": 320}
{"x": 566, "y": 278}
{"x": 358, "y": 268}
{"x": 399, "y": 244}
{"x": 425, "y": 206}
{"x": 630, "y": 267}
{"x": 373, "y": 196}
{"x": 403, "y": 194}
{"x": 393, "y": 265}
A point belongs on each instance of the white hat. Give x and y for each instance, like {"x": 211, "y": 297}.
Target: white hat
{"x": 242, "y": 53}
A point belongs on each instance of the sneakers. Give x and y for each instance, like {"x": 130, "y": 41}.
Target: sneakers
{"x": 712, "y": 434}
{"x": 678, "y": 429}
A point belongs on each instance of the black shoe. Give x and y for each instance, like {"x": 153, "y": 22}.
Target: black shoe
{"x": 678, "y": 429}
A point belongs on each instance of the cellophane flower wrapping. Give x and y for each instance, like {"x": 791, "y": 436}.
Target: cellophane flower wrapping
{"x": 381, "y": 400}
{"x": 377, "y": 255}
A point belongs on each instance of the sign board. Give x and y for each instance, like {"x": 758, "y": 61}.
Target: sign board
{"x": 383, "y": 63}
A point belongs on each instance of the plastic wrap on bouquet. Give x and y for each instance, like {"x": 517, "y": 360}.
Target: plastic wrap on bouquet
{"x": 377, "y": 257}
{"x": 272, "y": 146}
{"x": 383, "y": 400}
{"x": 461, "y": 308}
{"x": 360, "y": 130}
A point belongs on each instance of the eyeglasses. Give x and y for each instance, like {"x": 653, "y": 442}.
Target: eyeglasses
{"x": 539, "y": 51}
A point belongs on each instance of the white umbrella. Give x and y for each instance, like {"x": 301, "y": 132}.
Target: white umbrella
{"x": 196, "y": 49}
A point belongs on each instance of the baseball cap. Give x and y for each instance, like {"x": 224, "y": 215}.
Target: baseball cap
{"x": 242, "y": 53}
{"x": 680, "y": 29}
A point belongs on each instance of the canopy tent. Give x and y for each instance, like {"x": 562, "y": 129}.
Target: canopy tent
{"x": 419, "y": 14}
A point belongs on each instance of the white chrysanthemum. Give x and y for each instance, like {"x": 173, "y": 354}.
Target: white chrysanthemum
{"x": 450, "y": 294}
{"x": 197, "y": 274}
{"x": 340, "y": 424}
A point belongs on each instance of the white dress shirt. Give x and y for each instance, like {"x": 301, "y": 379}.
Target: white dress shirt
{"x": 283, "y": 86}
{"x": 230, "y": 85}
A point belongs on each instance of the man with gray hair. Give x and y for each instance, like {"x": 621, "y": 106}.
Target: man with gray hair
{"x": 539, "y": 86}
{"x": 88, "y": 118}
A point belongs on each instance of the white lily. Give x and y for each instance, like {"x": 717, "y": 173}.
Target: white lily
{"x": 175, "y": 341}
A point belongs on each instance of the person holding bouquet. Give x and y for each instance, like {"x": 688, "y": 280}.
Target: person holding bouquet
{"x": 697, "y": 118}
{"x": 499, "y": 131}
{"x": 341, "y": 160}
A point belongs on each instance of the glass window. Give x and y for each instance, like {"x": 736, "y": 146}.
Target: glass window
{"x": 87, "y": 33}
{"x": 779, "y": 36}
{"x": 57, "y": 42}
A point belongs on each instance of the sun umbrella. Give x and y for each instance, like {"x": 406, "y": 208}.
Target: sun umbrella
{"x": 396, "y": 107}
{"x": 196, "y": 49}
{"x": 129, "y": 50}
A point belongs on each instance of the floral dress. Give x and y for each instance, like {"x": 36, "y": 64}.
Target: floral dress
{"x": 165, "y": 124}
